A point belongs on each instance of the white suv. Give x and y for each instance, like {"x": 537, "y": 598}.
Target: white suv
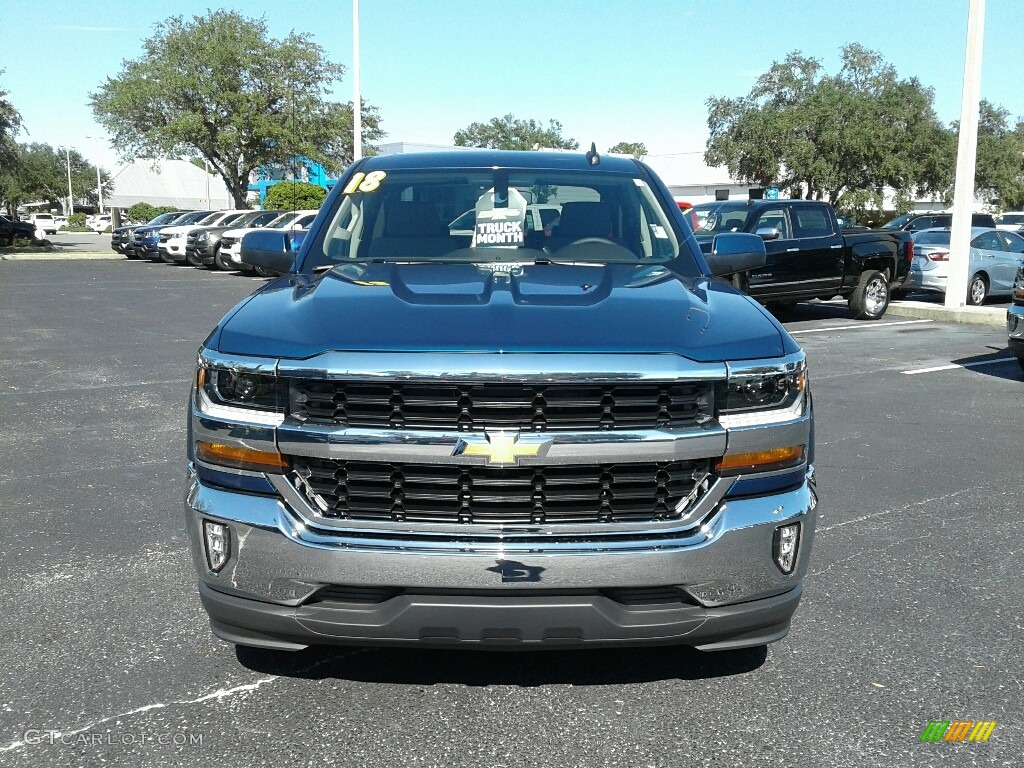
{"x": 45, "y": 222}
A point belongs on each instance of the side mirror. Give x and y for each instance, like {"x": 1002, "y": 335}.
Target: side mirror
{"x": 768, "y": 233}
{"x": 733, "y": 252}
{"x": 269, "y": 249}
{"x": 297, "y": 237}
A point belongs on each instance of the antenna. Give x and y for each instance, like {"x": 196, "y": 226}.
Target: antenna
{"x": 592, "y": 157}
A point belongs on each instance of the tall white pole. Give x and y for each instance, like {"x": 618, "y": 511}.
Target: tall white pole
{"x": 357, "y": 104}
{"x": 71, "y": 195}
{"x": 963, "y": 192}
{"x": 99, "y": 181}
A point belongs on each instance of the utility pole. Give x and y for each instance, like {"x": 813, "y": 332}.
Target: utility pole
{"x": 71, "y": 195}
{"x": 963, "y": 192}
{"x": 357, "y": 104}
{"x": 99, "y": 181}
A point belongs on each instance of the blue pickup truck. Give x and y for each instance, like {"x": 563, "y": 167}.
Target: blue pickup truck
{"x": 508, "y": 437}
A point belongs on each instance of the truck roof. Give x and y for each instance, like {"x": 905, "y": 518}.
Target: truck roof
{"x": 489, "y": 158}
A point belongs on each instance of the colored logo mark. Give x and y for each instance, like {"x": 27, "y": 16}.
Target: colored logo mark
{"x": 958, "y": 730}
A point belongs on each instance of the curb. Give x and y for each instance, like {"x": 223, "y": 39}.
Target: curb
{"x": 61, "y": 255}
{"x": 966, "y": 315}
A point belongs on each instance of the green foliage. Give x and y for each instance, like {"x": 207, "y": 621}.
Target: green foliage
{"x": 294, "y": 196}
{"x": 509, "y": 133}
{"x": 634, "y": 148}
{"x": 218, "y": 86}
{"x": 10, "y": 126}
{"x": 843, "y": 137}
{"x": 40, "y": 173}
{"x": 999, "y": 169}
{"x": 144, "y": 212}
{"x": 76, "y": 220}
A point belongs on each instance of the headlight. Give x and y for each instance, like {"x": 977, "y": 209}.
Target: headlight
{"x": 204, "y": 236}
{"x": 764, "y": 393}
{"x": 241, "y": 389}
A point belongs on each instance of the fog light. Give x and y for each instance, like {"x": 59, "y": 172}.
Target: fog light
{"x": 787, "y": 537}
{"x": 218, "y": 544}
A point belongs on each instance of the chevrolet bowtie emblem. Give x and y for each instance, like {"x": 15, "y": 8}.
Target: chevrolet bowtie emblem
{"x": 500, "y": 448}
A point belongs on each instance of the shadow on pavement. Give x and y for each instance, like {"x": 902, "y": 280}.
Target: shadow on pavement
{"x": 987, "y": 365}
{"x": 482, "y": 668}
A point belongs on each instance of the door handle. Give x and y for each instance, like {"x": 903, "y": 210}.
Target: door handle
{"x": 792, "y": 250}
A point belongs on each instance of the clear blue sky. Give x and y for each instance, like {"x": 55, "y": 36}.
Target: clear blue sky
{"x": 609, "y": 71}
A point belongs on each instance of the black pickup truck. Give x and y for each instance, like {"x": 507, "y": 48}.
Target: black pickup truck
{"x": 809, "y": 256}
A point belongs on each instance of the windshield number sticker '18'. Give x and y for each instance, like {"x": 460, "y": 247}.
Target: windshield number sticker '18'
{"x": 364, "y": 182}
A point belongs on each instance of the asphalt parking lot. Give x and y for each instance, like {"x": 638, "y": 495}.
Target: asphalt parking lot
{"x": 912, "y": 610}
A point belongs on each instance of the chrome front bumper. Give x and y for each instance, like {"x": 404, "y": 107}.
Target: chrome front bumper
{"x": 495, "y": 591}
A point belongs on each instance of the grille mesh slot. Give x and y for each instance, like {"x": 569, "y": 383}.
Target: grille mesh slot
{"x": 542, "y": 407}
{"x": 447, "y": 493}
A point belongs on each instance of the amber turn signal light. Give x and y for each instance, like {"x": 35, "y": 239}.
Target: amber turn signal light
{"x": 240, "y": 458}
{"x": 760, "y": 461}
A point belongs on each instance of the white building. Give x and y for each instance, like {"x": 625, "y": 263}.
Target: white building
{"x": 174, "y": 183}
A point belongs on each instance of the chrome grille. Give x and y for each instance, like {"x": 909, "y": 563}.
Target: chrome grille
{"x": 475, "y": 407}
{"x": 446, "y": 493}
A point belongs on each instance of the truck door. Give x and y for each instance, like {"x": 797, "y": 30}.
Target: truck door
{"x": 819, "y": 261}
{"x": 776, "y": 275}
{"x": 806, "y": 258}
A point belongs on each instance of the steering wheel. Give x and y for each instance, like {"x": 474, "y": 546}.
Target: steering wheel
{"x": 586, "y": 240}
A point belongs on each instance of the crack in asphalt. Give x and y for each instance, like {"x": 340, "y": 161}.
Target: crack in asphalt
{"x": 221, "y": 693}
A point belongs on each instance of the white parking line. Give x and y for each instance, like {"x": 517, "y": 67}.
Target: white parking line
{"x": 953, "y": 366}
{"x": 861, "y": 326}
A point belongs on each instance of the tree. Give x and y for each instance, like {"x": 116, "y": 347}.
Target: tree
{"x": 219, "y": 87}
{"x": 843, "y": 137}
{"x": 634, "y": 148}
{"x": 999, "y": 172}
{"x": 10, "y": 127}
{"x": 39, "y": 173}
{"x": 509, "y": 133}
{"x": 144, "y": 212}
{"x": 294, "y": 196}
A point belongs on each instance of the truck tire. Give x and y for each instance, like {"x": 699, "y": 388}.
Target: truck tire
{"x": 870, "y": 298}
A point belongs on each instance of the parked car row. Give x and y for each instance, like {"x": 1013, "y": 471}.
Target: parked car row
{"x": 208, "y": 239}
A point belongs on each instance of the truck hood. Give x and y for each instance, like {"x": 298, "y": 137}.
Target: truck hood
{"x": 612, "y": 308}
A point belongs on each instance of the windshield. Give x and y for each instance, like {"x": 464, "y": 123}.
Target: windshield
{"x": 481, "y": 215}
{"x": 897, "y": 223}
{"x": 712, "y": 218}
{"x": 931, "y": 238}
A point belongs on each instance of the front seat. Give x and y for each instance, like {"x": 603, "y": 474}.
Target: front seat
{"x": 580, "y": 220}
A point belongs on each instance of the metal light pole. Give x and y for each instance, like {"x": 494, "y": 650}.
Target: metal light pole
{"x": 99, "y": 181}
{"x": 963, "y": 192}
{"x": 357, "y": 104}
{"x": 71, "y": 195}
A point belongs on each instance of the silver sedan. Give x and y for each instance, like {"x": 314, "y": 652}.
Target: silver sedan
{"x": 995, "y": 256}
